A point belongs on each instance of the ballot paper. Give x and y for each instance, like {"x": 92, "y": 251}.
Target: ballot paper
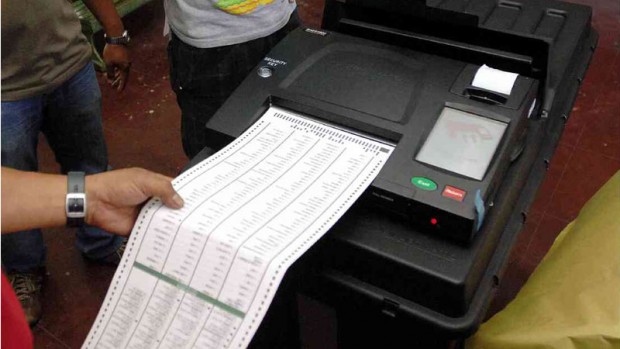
{"x": 204, "y": 276}
{"x": 494, "y": 80}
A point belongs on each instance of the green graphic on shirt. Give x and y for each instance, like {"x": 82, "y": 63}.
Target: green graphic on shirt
{"x": 240, "y": 7}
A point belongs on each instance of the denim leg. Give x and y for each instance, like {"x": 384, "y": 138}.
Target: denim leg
{"x": 73, "y": 127}
{"x": 21, "y": 122}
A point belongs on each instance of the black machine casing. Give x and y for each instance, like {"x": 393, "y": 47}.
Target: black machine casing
{"x": 372, "y": 262}
{"x": 390, "y": 93}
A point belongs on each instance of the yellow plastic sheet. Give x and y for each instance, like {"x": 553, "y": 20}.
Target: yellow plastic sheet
{"x": 572, "y": 300}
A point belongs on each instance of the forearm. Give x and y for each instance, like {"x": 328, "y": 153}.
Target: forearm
{"x": 113, "y": 199}
{"x": 32, "y": 200}
{"x": 106, "y": 13}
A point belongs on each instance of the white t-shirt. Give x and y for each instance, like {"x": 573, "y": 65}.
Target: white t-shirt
{"x": 214, "y": 23}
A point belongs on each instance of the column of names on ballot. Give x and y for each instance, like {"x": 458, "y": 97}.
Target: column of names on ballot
{"x": 203, "y": 276}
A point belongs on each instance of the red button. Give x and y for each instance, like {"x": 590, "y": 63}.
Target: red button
{"x": 454, "y": 193}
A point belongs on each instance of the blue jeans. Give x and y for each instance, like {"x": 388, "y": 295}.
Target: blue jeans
{"x": 70, "y": 119}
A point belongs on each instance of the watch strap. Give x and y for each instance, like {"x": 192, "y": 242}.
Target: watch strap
{"x": 76, "y": 185}
{"x": 75, "y": 182}
{"x": 117, "y": 40}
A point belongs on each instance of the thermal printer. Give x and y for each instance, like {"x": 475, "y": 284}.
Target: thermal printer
{"x": 454, "y": 139}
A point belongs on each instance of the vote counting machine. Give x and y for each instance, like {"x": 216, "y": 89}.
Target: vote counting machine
{"x": 428, "y": 241}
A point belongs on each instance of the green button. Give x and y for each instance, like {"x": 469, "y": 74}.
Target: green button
{"x": 424, "y": 183}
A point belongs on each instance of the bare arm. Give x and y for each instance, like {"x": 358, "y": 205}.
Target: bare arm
{"x": 106, "y": 14}
{"x": 37, "y": 200}
{"x": 116, "y": 57}
{"x": 32, "y": 200}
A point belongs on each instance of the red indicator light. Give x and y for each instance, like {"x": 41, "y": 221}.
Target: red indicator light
{"x": 434, "y": 221}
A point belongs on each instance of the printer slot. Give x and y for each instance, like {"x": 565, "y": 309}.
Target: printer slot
{"x": 463, "y": 87}
{"x": 486, "y": 96}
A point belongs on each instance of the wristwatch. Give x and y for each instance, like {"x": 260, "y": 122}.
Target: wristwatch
{"x": 117, "y": 40}
{"x": 75, "y": 203}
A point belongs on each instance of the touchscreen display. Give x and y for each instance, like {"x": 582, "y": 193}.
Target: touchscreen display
{"x": 462, "y": 143}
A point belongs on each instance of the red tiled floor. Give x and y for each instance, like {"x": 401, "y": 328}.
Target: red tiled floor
{"x": 311, "y": 12}
{"x": 587, "y": 172}
{"x": 579, "y": 118}
{"x": 602, "y": 134}
{"x": 142, "y": 129}
{"x": 598, "y": 71}
{"x": 44, "y": 340}
{"x": 74, "y": 289}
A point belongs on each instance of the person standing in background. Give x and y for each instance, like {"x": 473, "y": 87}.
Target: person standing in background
{"x": 49, "y": 85}
{"x": 214, "y": 45}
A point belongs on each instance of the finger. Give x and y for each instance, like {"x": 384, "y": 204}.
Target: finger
{"x": 110, "y": 72}
{"x": 121, "y": 85}
{"x": 164, "y": 177}
{"x": 116, "y": 82}
{"x": 119, "y": 81}
{"x": 153, "y": 184}
{"x": 123, "y": 76}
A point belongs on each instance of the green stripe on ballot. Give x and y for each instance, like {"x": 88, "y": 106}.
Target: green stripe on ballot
{"x": 190, "y": 290}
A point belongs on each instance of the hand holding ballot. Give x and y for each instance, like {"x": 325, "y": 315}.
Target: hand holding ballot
{"x": 116, "y": 197}
{"x": 36, "y": 200}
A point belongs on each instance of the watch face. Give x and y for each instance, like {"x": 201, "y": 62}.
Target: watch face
{"x": 75, "y": 205}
